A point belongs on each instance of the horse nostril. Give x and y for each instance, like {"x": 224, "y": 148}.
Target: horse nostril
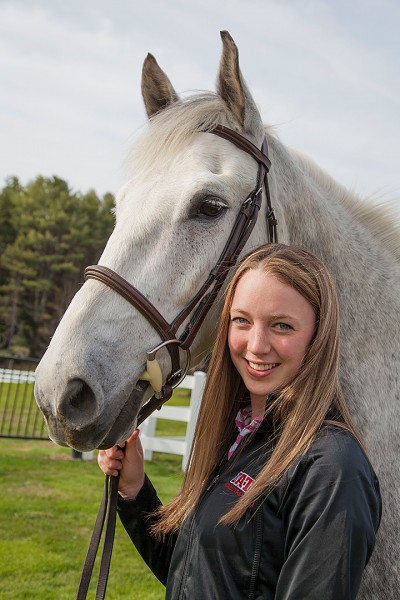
{"x": 78, "y": 404}
{"x": 77, "y": 393}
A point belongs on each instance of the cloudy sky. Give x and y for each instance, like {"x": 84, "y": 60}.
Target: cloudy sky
{"x": 324, "y": 72}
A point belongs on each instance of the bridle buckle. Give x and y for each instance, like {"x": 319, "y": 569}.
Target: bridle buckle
{"x": 153, "y": 373}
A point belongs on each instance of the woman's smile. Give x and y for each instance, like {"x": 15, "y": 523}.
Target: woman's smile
{"x": 262, "y": 369}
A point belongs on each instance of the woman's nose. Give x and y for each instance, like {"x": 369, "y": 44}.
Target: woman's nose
{"x": 259, "y": 341}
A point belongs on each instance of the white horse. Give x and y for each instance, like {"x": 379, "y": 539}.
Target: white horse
{"x": 172, "y": 220}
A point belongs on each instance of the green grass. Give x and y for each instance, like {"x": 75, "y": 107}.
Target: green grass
{"x": 48, "y": 506}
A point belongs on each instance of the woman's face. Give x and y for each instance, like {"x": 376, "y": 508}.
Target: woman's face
{"x": 271, "y": 327}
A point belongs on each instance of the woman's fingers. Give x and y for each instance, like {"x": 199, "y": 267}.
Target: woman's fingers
{"x": 110, "y": 463}
{"x": 127, "y": 459}
{"x": 115, "y": 452}
{"x": 133, "y": 448}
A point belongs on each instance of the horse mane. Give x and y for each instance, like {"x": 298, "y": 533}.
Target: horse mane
{"x": 381, "y": 218}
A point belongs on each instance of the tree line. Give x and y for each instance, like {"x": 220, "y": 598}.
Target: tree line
{"x": 48, "y": 234}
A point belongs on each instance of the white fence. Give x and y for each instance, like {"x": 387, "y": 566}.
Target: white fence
{"x": 16, "y": 376}
{"x": 175, "y": 445}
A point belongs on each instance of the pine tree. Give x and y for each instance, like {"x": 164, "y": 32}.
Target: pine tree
{"x": 48, "y": 235}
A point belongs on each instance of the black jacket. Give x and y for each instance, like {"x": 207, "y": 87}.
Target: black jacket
{"x": 310, "y": 539}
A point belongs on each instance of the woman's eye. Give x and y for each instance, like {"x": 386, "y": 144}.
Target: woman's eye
{"x": 211, "y": 208}
{"x": 239, "y": 320}
{"x": 283, "y": 326}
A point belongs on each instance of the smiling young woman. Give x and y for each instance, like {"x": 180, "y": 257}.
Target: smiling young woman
{"x": 279, "y": 499}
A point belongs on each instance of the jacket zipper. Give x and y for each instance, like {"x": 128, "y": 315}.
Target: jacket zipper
{"x": 212, "y": 483}
{"x": 257, "y": 553}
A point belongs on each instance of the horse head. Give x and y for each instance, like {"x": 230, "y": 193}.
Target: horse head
{"x": 173, "y": 218}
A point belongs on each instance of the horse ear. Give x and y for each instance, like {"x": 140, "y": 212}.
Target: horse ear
{"x": 157, "y": 90}
{"x": 234, "y": 92}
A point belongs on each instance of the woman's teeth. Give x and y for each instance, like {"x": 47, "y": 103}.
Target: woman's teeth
{"x": 258, "y": 367}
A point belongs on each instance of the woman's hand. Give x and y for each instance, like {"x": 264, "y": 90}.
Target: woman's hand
{"x": 126, "y": 459}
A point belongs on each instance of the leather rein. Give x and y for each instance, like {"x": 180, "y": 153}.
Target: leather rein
{"x": 195, "y": 311}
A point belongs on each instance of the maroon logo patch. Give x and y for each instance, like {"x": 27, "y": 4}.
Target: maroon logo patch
{"x": 240, "y": 484}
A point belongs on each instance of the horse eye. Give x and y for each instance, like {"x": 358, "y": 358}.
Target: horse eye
{"x": 211, "y": 208}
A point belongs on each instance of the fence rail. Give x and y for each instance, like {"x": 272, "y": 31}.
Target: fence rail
{"x": 16, "y": 376}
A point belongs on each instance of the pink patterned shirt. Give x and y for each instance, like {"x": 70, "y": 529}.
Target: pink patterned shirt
{"x": 245, "y": 425}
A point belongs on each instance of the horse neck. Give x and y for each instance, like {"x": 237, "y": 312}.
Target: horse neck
{"x": 322, "y": 215}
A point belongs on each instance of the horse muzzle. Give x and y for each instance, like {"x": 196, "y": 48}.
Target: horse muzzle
{"x": 81, "y": 425}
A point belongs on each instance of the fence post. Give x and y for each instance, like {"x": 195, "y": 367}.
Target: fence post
{"x": 148, "y": 429}
{"x": 75, "y": 454}
{"x": 195, "y": 401}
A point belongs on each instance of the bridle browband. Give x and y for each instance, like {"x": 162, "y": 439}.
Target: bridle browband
{"x": 195, "y": 311}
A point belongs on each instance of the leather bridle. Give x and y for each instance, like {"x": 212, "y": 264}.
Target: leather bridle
{"x": 195, "y": 311}
{"x": 201, "y": 303}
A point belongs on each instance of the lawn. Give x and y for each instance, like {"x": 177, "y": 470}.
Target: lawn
{"x": 48, "y": 505}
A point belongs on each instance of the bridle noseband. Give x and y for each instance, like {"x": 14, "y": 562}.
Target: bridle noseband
{"x": 201, "y": 303}
{"x": 196, "y": 310}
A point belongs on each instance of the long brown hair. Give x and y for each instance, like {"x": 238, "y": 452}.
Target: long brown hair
{"x": 298, "y": 412}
